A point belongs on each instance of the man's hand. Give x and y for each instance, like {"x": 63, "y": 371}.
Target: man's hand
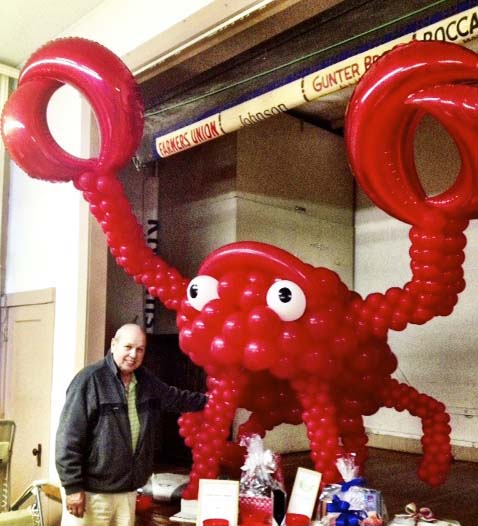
{"x": 75, "y": 503}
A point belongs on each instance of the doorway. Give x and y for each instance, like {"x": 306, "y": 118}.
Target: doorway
{"x": 168, "y": 362}
{"x": 27, "y": 376}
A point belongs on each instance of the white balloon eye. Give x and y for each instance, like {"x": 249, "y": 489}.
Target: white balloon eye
{"x": 201, "y": 290}
{"x": 287, "y": 300}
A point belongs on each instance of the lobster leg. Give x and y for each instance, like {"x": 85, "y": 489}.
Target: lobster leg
{"x": 354, "y": 438}
{"x": 210, "y": 437}
{"x": 319, "y": 416}
{"x": 436, "y": 444}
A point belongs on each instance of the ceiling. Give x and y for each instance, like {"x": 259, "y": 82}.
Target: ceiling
{"x": 25, "y": 25}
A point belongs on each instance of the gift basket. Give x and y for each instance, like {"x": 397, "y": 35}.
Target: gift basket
{"x": 351, "y": 503}
{"x": 261, "y": 487}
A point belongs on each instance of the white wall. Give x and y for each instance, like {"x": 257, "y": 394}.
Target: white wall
{"x": 45, "y": 248}
{"x": 43, "y": 245}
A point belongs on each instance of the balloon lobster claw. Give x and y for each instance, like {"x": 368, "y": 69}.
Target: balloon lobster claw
{"x": 437, "y": 78}
{"x": 275, "y": 335}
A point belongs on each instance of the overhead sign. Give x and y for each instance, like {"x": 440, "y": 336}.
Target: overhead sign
{"x": 459, "y": 28}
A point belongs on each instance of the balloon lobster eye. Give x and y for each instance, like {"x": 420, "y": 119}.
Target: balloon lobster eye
{"x": 287, "y": 300}
{"x": 201, "y": 290}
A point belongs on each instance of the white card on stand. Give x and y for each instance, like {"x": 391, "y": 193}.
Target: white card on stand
{"x": 218, "y": 499}
{"x": 304, "y": 492}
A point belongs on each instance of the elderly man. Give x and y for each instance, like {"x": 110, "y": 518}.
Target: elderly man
{"x": 106, "y": 435}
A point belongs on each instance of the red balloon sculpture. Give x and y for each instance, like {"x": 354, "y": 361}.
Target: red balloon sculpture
{"x": 275, "y": 335}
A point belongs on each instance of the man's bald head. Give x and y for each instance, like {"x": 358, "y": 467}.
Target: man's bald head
{"x": 127, "y": 329}
{"x": 128, "y": 347}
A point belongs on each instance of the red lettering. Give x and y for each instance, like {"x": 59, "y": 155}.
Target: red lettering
{"x": 339, "y": 76}
{"x": 369, "y": 60}
{"x": 351, "y": 71}
{"x": 173, "y": 144}
{"x": 204, "y": 132}
{"x": 213, "y": 128}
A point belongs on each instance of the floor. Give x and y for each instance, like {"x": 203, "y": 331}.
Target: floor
{"x": 393, "y": 473}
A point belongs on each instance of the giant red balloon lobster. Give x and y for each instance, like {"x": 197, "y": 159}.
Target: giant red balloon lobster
{"x": 275, "y": 335}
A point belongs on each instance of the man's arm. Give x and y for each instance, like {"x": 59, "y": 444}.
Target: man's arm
{"x": 71, "y": 444}
{"x": 180, "y": 400}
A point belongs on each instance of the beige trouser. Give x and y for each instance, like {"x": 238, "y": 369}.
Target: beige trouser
{"x": 104, "y": 509}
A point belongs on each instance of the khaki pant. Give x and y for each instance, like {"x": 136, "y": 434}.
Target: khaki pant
{"x": 104, "y": 509}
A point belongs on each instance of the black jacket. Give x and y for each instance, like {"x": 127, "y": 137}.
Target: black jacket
{"x": 93, "y": 441}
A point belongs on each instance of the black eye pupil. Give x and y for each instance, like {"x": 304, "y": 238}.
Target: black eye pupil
{"x": 193, "y": 291}
{"x": 285, "y": 295}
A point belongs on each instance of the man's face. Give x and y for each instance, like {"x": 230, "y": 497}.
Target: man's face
{"x": 128, "y": 348}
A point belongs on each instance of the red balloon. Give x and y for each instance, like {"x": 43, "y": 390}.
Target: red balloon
{"x": 263, "y": 322}
{"x": 259, "y": 355}
{"x": 108, "y": 86}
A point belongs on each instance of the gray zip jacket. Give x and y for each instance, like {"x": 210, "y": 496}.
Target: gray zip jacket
{"x": 93, "y": 441}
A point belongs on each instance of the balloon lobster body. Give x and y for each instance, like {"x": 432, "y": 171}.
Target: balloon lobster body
{"x": 287, "y": 341}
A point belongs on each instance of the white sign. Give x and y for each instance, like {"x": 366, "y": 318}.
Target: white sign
{"x": 218, "y": 499}
{"x": 458, "y": 28}
{"x": 304, "y": 492}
